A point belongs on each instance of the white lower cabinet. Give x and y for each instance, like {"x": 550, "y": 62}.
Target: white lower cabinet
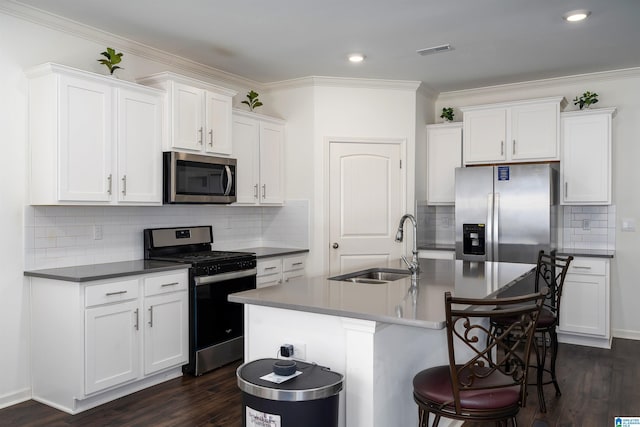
{"x": 93, "y": 342}
{"x": 584, "y": 313}
{"x": 276, "y": 270}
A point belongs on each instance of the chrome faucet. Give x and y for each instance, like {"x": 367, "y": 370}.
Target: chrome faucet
{"x": 414, "y": 264}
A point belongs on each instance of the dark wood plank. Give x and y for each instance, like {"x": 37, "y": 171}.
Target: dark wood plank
{"x": 596, "y": 385}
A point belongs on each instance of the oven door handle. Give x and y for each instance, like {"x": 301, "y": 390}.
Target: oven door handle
{"x": 205, "y": 280}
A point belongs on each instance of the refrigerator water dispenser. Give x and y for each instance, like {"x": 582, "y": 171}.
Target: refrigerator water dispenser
{"x": 473, "y": 239}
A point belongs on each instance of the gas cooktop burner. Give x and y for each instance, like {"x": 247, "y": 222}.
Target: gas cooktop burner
{"x": 199, "y": 257}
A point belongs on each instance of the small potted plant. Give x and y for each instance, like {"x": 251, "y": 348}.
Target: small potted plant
{"x": 586, "y": 100}
{"x": 447, "y": 114}
{"x": 112, "y": 59}
{"x": 253, "y": 101}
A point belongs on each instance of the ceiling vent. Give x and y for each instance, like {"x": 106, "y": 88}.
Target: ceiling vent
{"x": 434, "y": 49}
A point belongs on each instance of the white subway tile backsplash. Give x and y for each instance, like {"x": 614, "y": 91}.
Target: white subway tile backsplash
{"x": 60, "y": 236}
{"x": 589, "y": 227}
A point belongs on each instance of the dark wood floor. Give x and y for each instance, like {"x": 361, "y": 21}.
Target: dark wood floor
{"x": 596, "y": 385}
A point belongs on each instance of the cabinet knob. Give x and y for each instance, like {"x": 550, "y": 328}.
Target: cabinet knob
{"x": 335, "y": 245}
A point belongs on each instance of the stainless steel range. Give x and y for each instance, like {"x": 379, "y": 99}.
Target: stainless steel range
{"x": 215, "y": 324}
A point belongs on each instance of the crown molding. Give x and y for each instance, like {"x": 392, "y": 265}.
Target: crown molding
{"x": 64, "y": 25}
{"x": 346, "y": 82}
{"x": 545, "y": 83}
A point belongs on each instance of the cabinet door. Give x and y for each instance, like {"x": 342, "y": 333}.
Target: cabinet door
{"x": 269, "y": 280}
{"x": 246, "y": 137}
{"x": 586, "y": 159}
{"x": 166, "y": 341}
{"x": 534, "y": 132}
{"x": 86, "y": 122}
{"x": 112, "y": 347}
{"x": 139, "y": 147}
{"x": 485, "y": 135}
{"x": 444, "y": 155}
{"x": 584, "y": 301}
{"x": 271, "y": 146}
{"x": 218, "y": 124}
{"x": 188, "y": 123}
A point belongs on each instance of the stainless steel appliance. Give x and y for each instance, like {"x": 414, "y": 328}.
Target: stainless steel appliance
{"x": 215, "y": 324}
{"x": 192, "y": 178}
{"x": 506, "y": 213}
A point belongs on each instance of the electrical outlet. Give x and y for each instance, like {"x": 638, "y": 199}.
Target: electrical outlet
{"x": 299, "y": 351}
{"x": 97, "y": 232}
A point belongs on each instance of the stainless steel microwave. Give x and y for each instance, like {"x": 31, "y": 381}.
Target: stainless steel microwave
{"x": 197, "y": 179}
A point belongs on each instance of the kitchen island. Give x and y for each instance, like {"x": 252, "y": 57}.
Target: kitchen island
{"x": 378, "y": 335}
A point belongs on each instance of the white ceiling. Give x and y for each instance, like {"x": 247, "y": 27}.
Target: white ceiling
{"x": 494, "y": 41}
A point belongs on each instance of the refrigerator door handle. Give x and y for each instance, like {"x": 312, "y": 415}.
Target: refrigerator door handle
{"x": 489, "y": 229}
{"x": 496, "y": 226}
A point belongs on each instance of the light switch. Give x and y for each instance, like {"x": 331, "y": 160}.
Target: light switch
{"x": 628, "y": 224}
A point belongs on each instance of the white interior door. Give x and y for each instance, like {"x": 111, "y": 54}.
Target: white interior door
{"x": 365, "y": 204}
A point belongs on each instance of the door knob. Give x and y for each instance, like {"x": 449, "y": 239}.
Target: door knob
{"x": 335, "y": 246}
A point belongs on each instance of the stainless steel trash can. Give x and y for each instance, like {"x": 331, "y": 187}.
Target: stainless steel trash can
{"x": 309, "y": 399}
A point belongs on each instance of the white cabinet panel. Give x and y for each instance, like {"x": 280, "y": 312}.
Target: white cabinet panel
{"x": 111, "y": 345}
{"x": 444, "y": 155}
{"x": 585, "y": 165}
{"x": 94, "y": 140}
{"x": 258, "y": 144}
{"x": 276, "y": 270}
{"x": 520, "y": 131}
{"x": 585, "y": 311}
{"x": 218, "y": 139}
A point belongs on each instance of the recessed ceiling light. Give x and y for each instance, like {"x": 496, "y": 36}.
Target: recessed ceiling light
{"x": 576, "y": 15}
{"x": 356, "y": 57}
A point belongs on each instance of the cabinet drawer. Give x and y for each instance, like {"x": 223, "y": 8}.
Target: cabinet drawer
{"x": 111, "y": 292}
{"x": 293, "y": 263}
{"x": 268, "y": 280}
{"x": 290, "y": 275}
{"x": 165, "y": 283}
{"x": 597, "y": 267}
{"x": 269, "y": 266}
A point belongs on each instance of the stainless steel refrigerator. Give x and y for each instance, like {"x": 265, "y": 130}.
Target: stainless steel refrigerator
{"x": 506, "y": 213}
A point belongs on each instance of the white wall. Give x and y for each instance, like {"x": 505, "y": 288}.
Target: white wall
{"x": 616, "y": 89}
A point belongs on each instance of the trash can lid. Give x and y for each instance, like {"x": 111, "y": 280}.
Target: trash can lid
{"x": 315, "y": 382}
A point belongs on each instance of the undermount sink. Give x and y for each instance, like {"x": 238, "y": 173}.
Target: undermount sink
{"x": 373, "y": 276}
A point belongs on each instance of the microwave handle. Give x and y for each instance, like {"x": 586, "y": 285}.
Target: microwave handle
{"x": 229, "y": 180}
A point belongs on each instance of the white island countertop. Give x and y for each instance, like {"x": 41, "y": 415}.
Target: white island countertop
{"x": 396, "y": 302}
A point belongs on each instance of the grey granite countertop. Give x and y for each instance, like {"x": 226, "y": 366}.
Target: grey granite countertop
{"x": 598, "y": 253}
{"x": 397, "y": 302}
{"x": 267, "y": 251}
{"x": 87, "y": 273}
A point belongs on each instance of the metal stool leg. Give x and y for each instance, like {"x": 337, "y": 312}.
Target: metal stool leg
{"x": 554, "y": 354}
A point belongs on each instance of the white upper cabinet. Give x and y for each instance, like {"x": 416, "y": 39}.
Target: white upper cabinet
{"x": 522, "y": 131}
{"x": 585, "y": 164}
{"x": 444, "y": 155}
{"x": 93, "y": 139}
{"x": 198, "y": 114}
{"x": 258, "y": 144}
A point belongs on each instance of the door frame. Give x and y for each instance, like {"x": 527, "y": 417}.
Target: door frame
{"x": 326, "y": 234}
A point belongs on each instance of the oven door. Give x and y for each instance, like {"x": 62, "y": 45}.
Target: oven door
{"x": 216, "y": 319}
{"x": 192, "y": 178}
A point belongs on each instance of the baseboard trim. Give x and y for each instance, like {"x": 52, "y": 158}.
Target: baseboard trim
{"x": 626, "y": 334}
{"x": 14, "y": 398}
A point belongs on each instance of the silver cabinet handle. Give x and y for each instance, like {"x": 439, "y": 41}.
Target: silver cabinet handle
{"x": 115, "y": 293}
{"x": 110, "y": 181}
{"x": 169, "y": 284}
{"x": 566, "y": 189}
{"x": 584, "y": 267}
{"x": 137, "y": 320}
{"x": 151, "y": 317}
{"x": 513, "y": 147}
{"x": 502, "y": 148}
{"x": 255, "y": 191}
{"x": 335, "y": 245}
{"x": 201, "y": 130}
{"x": 124, "y": 185}
{"x": 264, "y": 191}
{"x": 297, "y": 263}
{"x": 269, "y": 268}
{"x": 211, "y": 138}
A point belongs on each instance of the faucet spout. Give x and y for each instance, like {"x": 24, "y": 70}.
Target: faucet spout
{"x": 414, "y": 265}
